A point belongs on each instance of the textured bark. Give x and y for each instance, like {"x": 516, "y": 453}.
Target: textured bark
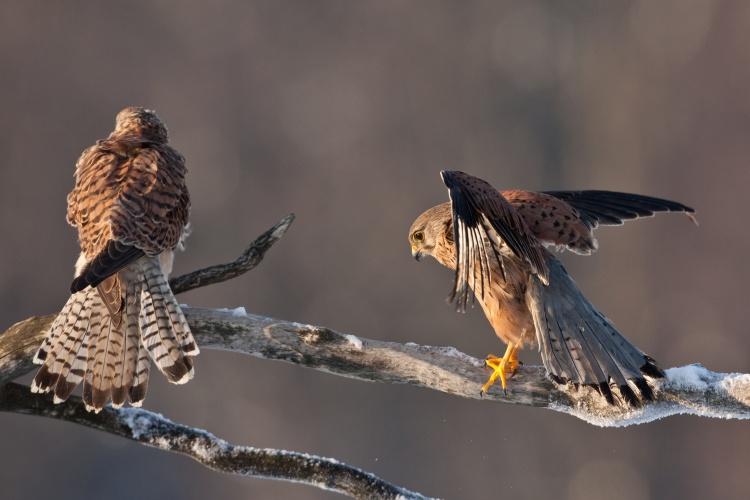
{"x": 691, "y": 389}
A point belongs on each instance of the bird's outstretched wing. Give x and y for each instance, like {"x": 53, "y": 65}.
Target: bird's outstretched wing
{"x": 610, "y": 208}
{"x": 484, "y": 221}
{"x": 579, "y": 345}
{"x": 567, "y": 219}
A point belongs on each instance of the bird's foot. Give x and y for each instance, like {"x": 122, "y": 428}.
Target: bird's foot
{"x": 504, "y": 368}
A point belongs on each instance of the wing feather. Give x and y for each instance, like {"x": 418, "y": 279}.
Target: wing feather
{"x": 478, "y": 210}
{"x": 611, "y": 208}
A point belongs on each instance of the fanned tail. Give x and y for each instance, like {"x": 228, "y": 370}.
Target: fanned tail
{"x": 580, "y": 346}
{"x": 106, "y": 336}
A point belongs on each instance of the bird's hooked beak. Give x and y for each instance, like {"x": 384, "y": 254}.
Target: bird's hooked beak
{"x": 416, "y": 253}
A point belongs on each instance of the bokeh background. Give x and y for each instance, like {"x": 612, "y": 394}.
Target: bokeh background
{"x": 344, "y": 113}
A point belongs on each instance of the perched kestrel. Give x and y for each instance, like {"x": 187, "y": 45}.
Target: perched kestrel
{"x": 130, "y": 205}
{"x": 496, "y": 242}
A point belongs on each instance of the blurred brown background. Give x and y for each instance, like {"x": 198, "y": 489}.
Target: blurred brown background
{"x": 344, "y": 113}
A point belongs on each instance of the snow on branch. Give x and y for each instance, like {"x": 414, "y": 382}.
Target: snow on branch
{"x": 154, "y": 430}
{"x": 686, "y": 390}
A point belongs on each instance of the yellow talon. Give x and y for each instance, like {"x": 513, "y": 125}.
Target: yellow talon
{"x": 508, "y": 364}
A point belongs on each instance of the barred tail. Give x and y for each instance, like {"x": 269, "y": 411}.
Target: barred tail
{"x": 579, "y": 345}
{"x": 105, "y": 337}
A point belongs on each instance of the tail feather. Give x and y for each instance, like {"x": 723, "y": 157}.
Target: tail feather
{"x": 62, "y": 344}
{"x": 70, "y": 313}
{"x": 182, "y": 331}
{"x": 162, "y": 336}
{"x": 128, "y": 356}
{"x": 580, "y": 346}
{"x": 104, "y": 341}
{"x": 69, "y": 381}
{"x": 75, "y": 351}
{"x": 137, "y": 392}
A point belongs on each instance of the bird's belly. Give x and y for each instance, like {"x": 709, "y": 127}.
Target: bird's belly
{"x": 509, "y": 317}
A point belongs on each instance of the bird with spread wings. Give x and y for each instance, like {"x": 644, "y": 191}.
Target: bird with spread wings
{"x": 130, "y": 205}
{"x": 497, "y": 244}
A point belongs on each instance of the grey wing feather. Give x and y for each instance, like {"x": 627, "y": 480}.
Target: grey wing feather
{"x": 579, "y": 345}
{"x": 611, "y": 208}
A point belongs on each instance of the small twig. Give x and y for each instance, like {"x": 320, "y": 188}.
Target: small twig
{"x": 154, "y": 430}
{"x": 250, "y": 258}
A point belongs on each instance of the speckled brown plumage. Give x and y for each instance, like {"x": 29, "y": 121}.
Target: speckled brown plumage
{"x": 496, "y": 242}
{"x": 130, "y": 206}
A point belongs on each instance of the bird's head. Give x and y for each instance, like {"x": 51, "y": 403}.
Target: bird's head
{"x": 140, "y": 122}
{"x": 429, "y": 229}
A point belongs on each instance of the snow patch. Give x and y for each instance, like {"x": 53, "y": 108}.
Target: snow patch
{"x": 302, "y": 326}
{"x": 735, "y": 381}
{"x": 721, "y": 388}
{"x": 240, "y": 311}
{"x": 452, "y": 352}
{"x": 690, "y": 377}
{"x": 140, "y": 421}
{"x": 354, "y": 341}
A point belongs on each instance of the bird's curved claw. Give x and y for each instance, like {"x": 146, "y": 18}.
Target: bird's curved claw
{"x": 504, "y": 368}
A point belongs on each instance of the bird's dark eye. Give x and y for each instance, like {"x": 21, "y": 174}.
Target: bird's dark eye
{"x": 418, "y": 236}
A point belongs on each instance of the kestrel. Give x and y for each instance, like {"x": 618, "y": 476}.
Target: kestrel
{"x": 497, "y": 244}
{"x": 130, "y": 205}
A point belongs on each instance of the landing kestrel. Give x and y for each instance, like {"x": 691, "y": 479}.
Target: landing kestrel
{"x": 496, "y": 242}
{"x": 130, "y": 205}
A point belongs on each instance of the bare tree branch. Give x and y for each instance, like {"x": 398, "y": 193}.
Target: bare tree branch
{"x": 250, "y": 258}
{"x": 691, "y": 389}
{"x": 154, "y": 430}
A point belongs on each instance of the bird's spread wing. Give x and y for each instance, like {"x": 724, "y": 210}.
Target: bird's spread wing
{"x": 567, "y": 219}
{"x": 480, "y": 215}
{"x": 579, "y": 345}
{"x": 610, "y": 208}
{"x": 553, "y": 221}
